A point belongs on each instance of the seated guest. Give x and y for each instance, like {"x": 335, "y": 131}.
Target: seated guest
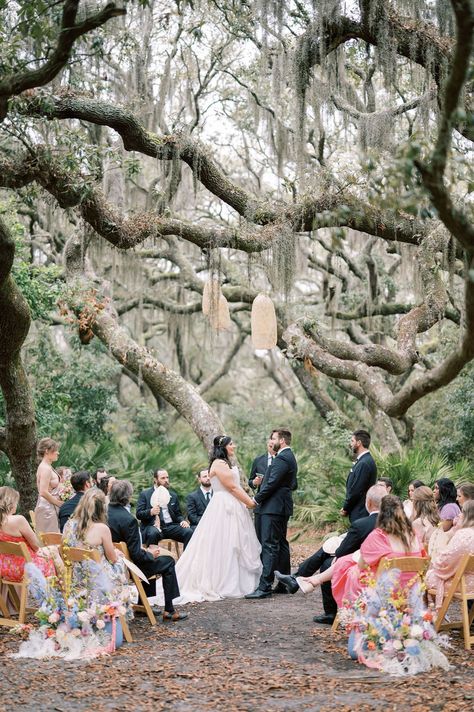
{"x": 393, "y": 536}
{"x": 99, "y": 474}
{"x": 197, "y": 501}
{"x": 444, "y": 492}
{"x": 15, "y": 529}
{"x": 172, "y": 523}
{"x": 443, "y": 566}
{"x": 408, "y": 503}
{"x": 124, "y": 527}
{"x": 465, "y": 491}
{"x": 80, "y": 481}
{"x": 387, "y": 483}
{"x": 359, "y": 530}
{"x": 425, "y": 514}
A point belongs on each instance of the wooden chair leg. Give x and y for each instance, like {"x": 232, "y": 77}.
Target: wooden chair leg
{"x": 126, "y": 630}
{"x": 23, "y": 600}
{"x": 12, "y": 592}
{"x": 146, "y": 605}
{"x": 335, "y": 624}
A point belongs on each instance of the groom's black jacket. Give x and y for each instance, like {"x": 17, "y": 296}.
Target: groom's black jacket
{"x": 279, "y": 482}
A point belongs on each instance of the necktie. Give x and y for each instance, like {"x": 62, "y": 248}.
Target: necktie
{"x": 208, "y": 497}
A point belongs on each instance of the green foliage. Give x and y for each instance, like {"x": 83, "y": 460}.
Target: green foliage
{"x": 457, "y": 443}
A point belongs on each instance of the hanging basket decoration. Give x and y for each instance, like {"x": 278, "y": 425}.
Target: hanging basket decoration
{"x": 264, "y": 323}
{"x": 220, "y": 318}
{"x": 210, "y": 297}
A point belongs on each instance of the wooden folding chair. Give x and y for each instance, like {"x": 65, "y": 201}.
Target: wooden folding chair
{"x": 144, "y": 606}
{"x": 78, "y": 555}
{"x": 51, "y": 538}
{"x": 171, "y": 544}
{"x": 33, "y": 519}
{"x": 466, "y": 566}
{"x": 19, "y": 601}
{"x": 415, "y": 564}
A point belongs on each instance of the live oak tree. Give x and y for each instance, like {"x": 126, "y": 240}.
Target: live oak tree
{"x": 319, "y": 152}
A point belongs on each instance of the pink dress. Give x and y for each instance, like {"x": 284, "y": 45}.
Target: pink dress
{"x": 12, "y": 567}
{"x": 346, "y": 579}
{"x": 444, "y": 565}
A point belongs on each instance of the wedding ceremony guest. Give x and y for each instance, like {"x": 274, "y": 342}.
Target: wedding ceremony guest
{"x": 257, "y": 473}
{"x": 197, "y": 501}
{"x": 363, "y": 474}
{"x": 275, "y": 503}
{"x": 47, "y": 481}
{"x": 14, "y": 528}
{"x": 387, "y": 483}
{"x": 465, "y": 491}
{"x": 443, "y": 567}
{"x": 124, "y": 527}
{"x": 445, "y": 494}
{"x": 80, "y": 481}
{"x": 64, "y": 473}
{"x": 321, "y": 560}
{"x": 105, "y": 484}
{"x": 99, "y": 474}
{"x": 393, "y": 536}
{"x": 408, "y": 503}
{"x": 425, "y": 518}
{"x": 88, "y": 528}
{"x": 173, "y": 524}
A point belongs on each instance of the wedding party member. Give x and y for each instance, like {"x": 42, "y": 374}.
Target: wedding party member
{"x": 425, "y": 518}
{"x": 276, "y": 507}
{"x": 257, "y": 472}
{"x": 408, "y": 503}
{"x": 393, "y": 536}
{"x": 222, "y": 559}
{"x": 363, "y": 474}
{"x": 99, "y": 474}
{"x": 47, "y": 481}
{"x": 445, "y": 494}
{"x": 197, "y": 501}
{"x": 387, "y": 483}
{"x": 124, "y": 527}
{"x": 81, "y": 482}
{"x": 172, "y": 523}
{"x": 443, "y": 566}
{"x": 15, "y": 528}
{"x": 321, "y": 560}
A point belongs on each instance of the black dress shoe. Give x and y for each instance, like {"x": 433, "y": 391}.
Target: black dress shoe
{"x": 279, "y": 588}
{"x": 325, "y": 619}
{"x": 258, "y": 593}
{"x": 288, "y": 581}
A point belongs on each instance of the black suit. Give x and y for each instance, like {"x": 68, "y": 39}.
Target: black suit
{"x": 363, "y": 474}
{"x": 67, "y": 509}
{"x": 172, "y": 530}
{"x": 124, "y": 527}
{"x": 259, "y": 466}
{"x": 275, "y": 508}
{"x": 196, "y": 503}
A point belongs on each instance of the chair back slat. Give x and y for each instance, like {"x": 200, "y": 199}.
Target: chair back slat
{"x": 415, "y": 564}
{"x": 33, "y": 519}
{"x": 77, "y": 554}
{"x": 51, "y": 538}
{"x": 16, "y": 549}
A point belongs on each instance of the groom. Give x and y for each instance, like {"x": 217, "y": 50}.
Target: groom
{"x": 275, "y": 504}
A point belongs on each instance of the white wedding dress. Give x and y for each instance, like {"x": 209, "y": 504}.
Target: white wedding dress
{"x": 222, "y": 559}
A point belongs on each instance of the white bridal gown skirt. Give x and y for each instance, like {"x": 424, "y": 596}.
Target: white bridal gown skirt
{"x": 222, "y": 559}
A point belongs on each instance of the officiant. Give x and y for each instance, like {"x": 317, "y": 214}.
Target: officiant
{"x": 160, "y": 514}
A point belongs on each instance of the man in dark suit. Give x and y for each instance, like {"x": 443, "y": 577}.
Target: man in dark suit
{"x": 257, "y": 473}
{"x": 172, "y": 523}
{"x": 363, "y": 475}
{"x": 124, "y": 527}
{"x": 80, "y": 481}
{"x": 275, "y": 508}
{"x": 321, "y": 560}
{"x": 197, "y": 501}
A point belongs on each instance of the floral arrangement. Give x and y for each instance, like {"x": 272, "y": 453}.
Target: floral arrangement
{"x": 65, "y": 490}
{"x": 391, "y": 629}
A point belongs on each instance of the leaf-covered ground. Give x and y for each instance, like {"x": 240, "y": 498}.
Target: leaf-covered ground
{"x": 231, "y": 655}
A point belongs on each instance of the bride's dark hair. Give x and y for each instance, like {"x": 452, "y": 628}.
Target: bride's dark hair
{"x": 219, "y": 451}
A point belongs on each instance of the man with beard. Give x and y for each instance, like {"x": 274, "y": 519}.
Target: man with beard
{"x": 197, "y": 501}
{"x": 259, "y": 467}
{"x": 363, "y": 475}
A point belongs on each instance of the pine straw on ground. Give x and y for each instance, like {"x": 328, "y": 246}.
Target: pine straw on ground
{"x": 236, "y": 656}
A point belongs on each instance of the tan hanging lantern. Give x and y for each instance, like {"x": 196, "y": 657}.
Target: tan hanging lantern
{"x": 210, "y": 296}
{"x": 264, "y": 323}
{"x": 220, "y": 319}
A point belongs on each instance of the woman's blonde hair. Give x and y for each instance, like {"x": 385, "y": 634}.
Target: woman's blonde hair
{"x": 424, "y": 505}
{"x": 468, "y": 514}
{"x": 45, "y": 445}
{"x": 8, "y": 501}
{"x": 393, "y": 520}
{"x": 92, "y": 508}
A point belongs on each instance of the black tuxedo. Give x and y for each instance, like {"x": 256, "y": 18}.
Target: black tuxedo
{"x": 171, "y": 530}
{"x": 275, "y": 508}
{"x": 363, "y": 474}
{"x": 259, "y": 466}
{"x": 124, "y": 527}
{"x": 196, "y": 503}
{"x": 67, "y": 509}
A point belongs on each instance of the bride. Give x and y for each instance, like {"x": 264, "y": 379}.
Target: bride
{"x": 222, "y": 559}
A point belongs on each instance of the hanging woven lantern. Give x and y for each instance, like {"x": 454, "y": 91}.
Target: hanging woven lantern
{"x": 264, "y": 323}
{"x": 220, "y": 319}
{"x": 210, "y": 296}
